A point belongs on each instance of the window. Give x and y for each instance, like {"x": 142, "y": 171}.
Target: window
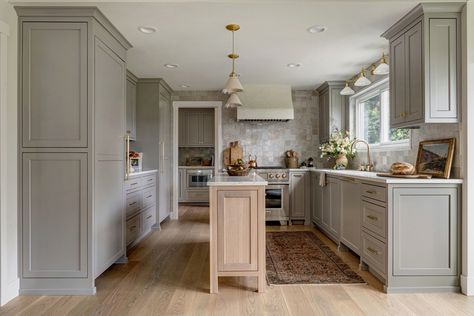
{"x": 372, "y": 118}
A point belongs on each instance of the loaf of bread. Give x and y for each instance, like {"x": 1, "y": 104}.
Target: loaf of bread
{"x": 403, "y": 168}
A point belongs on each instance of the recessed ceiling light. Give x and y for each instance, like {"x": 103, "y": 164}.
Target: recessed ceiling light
{"x": 317, "y": 29}
{"x": 147, "y": 29}
{"x": 185, "y": 86}
{"x": 293, "y": 65}
{"x": 171, "y": 66}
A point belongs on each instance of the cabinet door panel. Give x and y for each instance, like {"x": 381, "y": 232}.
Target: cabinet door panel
{"x": 54, "y": 203}
{"x": 425, "y": 235}
{"x": 350, "y": 214}
{"x": 54, "y": 85}
{"x": 131, "y": 109}
{"x": 335, "y": 207}
{"x": 237, "y": 230}
{"x": 414, "y": 74}
{"x": 208, "y": 128}
{"x": 298, "y": 196}
{"x": 193, "y": 128}
{"x": 441, "y": 63}
{"x": 397, "y": 80}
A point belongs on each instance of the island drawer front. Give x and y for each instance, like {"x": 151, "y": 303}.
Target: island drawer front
{"x": 374, "y": 192}
{"x": 374, "y": 218}
{"x": 374, "y": 252}
{"x": 149, "y": 180}
{"x": 149, "y": 196}
{"x": 133, "y": 229}
{"x": 133, "y": 184}
{"x": 132, "y": 202}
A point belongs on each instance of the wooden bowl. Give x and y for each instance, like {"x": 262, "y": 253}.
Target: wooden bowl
{"x": 232, "y": 171}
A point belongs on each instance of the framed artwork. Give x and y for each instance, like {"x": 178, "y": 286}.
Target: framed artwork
{"x": 435, "y": 157}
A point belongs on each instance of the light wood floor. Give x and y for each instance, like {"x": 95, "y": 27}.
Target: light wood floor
{"x": 168, "y": 274}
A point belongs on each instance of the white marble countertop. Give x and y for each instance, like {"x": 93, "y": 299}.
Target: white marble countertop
{"x": 225, "y": 180}
{"x": 142, "y": 173}
{"x": 196, "y": 167}
{"x": 372, "y": 176}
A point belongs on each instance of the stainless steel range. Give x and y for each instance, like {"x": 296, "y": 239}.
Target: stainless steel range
{"x": 277, "y": 197}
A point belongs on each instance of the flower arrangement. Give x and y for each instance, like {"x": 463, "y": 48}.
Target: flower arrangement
{"x": 339, "y": 146}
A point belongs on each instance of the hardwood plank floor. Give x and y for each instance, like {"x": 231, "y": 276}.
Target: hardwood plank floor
{"x": 168, "y": 274}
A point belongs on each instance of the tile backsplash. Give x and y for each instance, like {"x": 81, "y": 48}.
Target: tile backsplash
{"x": 185, "y": 153}
{"x": 269, "y": 140}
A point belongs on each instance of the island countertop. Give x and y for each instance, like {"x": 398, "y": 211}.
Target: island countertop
{"x": 225, "y": 180}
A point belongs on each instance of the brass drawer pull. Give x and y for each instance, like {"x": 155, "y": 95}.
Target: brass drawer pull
{"x": 150, "y": 180}
{"x": 375, "y": 252}
{"x": 132, "y": 203}
{"x": 374, "y": 218}
{"x": 371, "y": 191}
{"x": 149, "y": 196}
{"x": 133, "y": 228}
{"x": 149, "y": 216}
{"x": 134, "y": 183}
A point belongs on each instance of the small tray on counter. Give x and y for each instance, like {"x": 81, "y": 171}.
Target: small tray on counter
{"x": 405, "y": 176}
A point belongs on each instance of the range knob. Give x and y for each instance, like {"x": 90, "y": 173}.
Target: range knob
{"x": 277, "y": 176}
{"x": 283, "y": 175}
{"x": 270, "y": 176}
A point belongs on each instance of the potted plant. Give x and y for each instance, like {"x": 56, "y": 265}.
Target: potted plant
{"x": 338, "y": 147}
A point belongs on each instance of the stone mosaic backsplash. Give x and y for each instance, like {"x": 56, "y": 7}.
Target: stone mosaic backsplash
{"x": 185, "y": 153}
{"x": 269, "y": 140}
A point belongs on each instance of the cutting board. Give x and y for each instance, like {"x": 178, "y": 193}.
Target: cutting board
{"x": 405, "y": 176}
{"x": 236, "y": 152}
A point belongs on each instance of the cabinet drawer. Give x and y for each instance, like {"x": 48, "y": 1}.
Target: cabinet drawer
{"x": 132, "y": 184}
{"x": 132, "y": 202}
{"x": 149, "y": 197}
{"x": 149, "y": 180}
{"x": 148, "y": 219}
{"x": 374, "y": 253}
{"x": 374, "y": 218}
{"x": 374, "y": 192}
{"x": 197, "y": 196}
{"x": 133, "y": 229}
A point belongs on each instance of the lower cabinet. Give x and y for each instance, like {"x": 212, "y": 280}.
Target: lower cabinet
{"x": 331, "y": 214}
{"x": 300, "y": 196}
{"x": 350, "y": 214}
{"x": 140, "y": 200}
{"x": 182, "y": 185}
{"x": 316, "y": 198}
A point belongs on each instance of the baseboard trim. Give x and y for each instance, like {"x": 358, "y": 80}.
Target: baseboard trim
{"x": 61, "y": 292}
{"x": 421, "y": 289}
{"x": 10, "y": 291}
{"x": 467, "y": 285}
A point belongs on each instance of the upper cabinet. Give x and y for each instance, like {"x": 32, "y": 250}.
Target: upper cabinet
{"x": 425, "y": 65}
{"x": 196, "y": 128}
{"x": 131, "y": 127}
{"x": 332, "y": 109}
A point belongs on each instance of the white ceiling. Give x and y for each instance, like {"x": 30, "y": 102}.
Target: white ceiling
{"x": 192, "y": 34}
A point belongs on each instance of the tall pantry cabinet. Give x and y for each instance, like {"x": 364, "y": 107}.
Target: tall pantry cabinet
{"x": 71, "y": 135}
{"x": 154, "y": 135}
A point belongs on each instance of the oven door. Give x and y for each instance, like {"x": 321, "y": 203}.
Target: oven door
{"x": 277, "y": 202}
{"x": 197, "y": 179}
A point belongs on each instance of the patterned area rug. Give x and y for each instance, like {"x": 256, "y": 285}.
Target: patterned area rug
{"x": 302, "y": 258}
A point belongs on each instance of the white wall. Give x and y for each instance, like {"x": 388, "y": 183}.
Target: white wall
{"x": 467, "y": 277}
{"x": 8, "y": 164}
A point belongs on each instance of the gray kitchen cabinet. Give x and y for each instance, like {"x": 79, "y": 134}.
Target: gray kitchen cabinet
{"x": 425, "y": 66}
{"x": 182, "y": 185}
{"x": 316, "y": 199}
{"x": 72, "y": 124}
{"x": 425, "y": 216}
{"x": 154, "y": 137}
{"x": 332, "y": 109}
{"x": 53, "y": 119}
{"x": 334, "y": 189}
{"x": 299, "y": 196}
{"x": 140, "y": 197}
{"x": 196, "y": 128}
{"x": 350, "y": 214}
{"x": 131, "y": 127}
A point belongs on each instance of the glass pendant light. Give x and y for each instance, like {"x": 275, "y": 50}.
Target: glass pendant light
{"x": 233, "y": 101}
{"x": 382, "y": 68}
{"x": 362, "y": 80}
{"x": 347, "y": 90}
{"x": 233, "y": 83}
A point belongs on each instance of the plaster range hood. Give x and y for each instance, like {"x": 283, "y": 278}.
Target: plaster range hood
{"x": 266, "y": 103}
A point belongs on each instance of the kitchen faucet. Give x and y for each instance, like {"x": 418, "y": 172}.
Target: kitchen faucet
{"x": 364, "y": 167}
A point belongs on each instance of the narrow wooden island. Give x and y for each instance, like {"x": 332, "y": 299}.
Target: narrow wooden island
{"x": 237, "y": 224}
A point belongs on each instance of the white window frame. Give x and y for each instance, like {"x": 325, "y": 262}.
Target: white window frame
{"x": 357, "y": 130}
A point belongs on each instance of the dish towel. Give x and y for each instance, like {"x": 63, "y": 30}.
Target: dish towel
{"x": 322, "y": 179}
